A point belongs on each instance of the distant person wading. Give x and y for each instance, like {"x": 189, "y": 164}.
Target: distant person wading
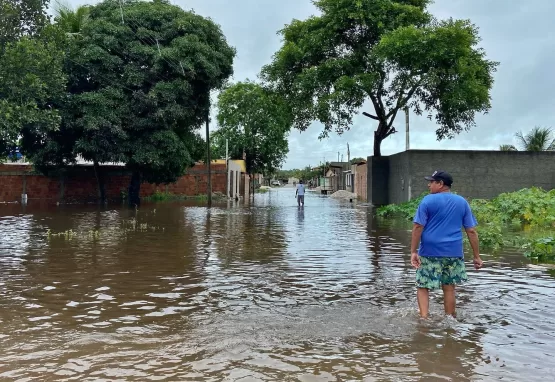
{"x": 299, "y": 193}
{"x": 439, "y": 261}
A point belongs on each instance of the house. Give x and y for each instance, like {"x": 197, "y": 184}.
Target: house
{"x": 337, "y": 173}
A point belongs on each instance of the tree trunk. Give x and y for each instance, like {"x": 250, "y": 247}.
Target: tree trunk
{"x": 100, "y": 182}
{"x": 135, "y": 189}
{"x": 377, "y": 144}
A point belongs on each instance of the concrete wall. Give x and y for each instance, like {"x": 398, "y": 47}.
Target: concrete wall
{"x": 234, "y": 175}
{"x": 378, "y": 180}
{"x": 399, "y": 182}
{"x": 476, "y": 174}
{"x": 80, "y": 185}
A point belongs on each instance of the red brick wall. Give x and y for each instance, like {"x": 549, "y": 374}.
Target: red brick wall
{"x": 361, "y": 182}
{"x": 82, "y": 186}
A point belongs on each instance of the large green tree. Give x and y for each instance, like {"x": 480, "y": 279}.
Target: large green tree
{"x": 138, "y": 90}
{"x": 20, "y": 18}
{"x": 390, "y": 53}
{"x": 255, "y": 122}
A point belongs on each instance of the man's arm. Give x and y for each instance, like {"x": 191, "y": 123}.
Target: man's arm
{"x": 415, "y": 240}
{"x": 469, "y": 224}
{"x": 416, "y": 235}
{"x": 475, "y": 244}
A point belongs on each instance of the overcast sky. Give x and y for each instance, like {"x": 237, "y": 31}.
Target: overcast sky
{"x": 516, "y": 33}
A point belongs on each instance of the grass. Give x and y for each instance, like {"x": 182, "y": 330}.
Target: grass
{"x": 159, "y": 196}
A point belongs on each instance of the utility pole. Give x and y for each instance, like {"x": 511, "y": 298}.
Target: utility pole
{"x": 407, "y": 125}
{"x": 349, "y": 168}
{"x": 227, "y": 167}
{"x": 208, "y": 160}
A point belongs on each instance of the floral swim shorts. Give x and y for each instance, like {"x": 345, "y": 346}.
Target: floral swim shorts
{"x": 437, "y": 271}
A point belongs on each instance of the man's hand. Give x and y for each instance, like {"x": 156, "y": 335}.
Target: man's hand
{"x": 478, "y": 262}
{"x": 415, "y": 260}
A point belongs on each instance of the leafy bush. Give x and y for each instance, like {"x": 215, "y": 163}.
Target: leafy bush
{"x": 530, "y": 210}
{"x": 159, "y": 196}
{"x": 405, "y": 210}
{"x": 541, "y": 249}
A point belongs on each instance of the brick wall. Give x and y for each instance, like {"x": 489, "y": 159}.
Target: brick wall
{"x": 81, "y": 185}
{"x": 361, "y": 181}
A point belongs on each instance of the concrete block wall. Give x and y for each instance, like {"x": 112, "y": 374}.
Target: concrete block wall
{"x": 477, "y": 174}
{"x": 484, "y": 174}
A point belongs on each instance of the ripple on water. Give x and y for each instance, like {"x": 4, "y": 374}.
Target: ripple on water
{"x": 263, "y": 292}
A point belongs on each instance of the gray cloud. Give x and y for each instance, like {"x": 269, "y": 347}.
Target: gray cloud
{"x": 518, "y": 34}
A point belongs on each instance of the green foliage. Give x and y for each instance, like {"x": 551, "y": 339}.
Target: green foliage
{"x": 21, "y": 18}
{"x": 392, "y": 53}
{"x": 538, "y": 139}
{"x": 305, "y": 173}
{"x": 542, "y": 249}
{"x": 357, "y": 160}
{"x": 32, "y": 85}
{"x": 255, "y": 122}
{"x": 137, "y": 91}
{"x": 160, "y": 196}
{"x": 507, "y": 148}
{"x": 70, "y": 20}
{"x": 530, "y": 211}
{"x": 405, "y": 210}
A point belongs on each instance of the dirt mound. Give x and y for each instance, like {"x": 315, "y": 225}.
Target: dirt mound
{"x": 342, "y": 194}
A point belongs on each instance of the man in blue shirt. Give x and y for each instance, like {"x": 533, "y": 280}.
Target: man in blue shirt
{"x": 439, "y": 260}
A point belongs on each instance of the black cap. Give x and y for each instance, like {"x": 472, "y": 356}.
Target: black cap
{"x": 441, "y": 175}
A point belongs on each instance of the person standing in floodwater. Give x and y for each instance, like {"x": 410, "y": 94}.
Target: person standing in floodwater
{"x": 439, "y": 260}
{"x": 299, "y": 193}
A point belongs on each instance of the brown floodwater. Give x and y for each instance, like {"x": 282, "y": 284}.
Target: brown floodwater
{"x": 259, "y": 292}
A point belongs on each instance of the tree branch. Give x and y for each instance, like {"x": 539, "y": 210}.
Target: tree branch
{"x": 379, "y": 111}
{"x": 370, "y": 116}
{"x": 390, "y": 131}
{"x": 401, "y": 103}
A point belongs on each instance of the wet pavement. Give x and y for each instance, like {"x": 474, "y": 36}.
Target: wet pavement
{"x": 252, "y": 292}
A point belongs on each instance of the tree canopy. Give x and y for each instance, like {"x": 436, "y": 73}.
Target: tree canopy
{"x": 390, "y": 53}
{"x": 256, "y": 122}
{"x": 32, "y": 86}
{"x": 137, "y": 91}
{"x": 20, "y": 18}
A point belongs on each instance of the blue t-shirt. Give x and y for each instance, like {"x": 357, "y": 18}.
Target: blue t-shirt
{"x": 442, "y": 215}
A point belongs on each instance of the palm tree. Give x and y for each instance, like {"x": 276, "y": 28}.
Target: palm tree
{"x": 69, "y": 20}
{"x": 507, "y": 148}
{"x": 539, "y": 139}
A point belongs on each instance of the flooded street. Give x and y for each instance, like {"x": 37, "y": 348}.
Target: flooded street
{"x": 265, "y": 292}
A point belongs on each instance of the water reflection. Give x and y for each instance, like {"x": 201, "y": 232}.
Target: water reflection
{"x": 257, "y": 291}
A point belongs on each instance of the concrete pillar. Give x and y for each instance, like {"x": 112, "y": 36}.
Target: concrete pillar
{"x": 24, "y": 190}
